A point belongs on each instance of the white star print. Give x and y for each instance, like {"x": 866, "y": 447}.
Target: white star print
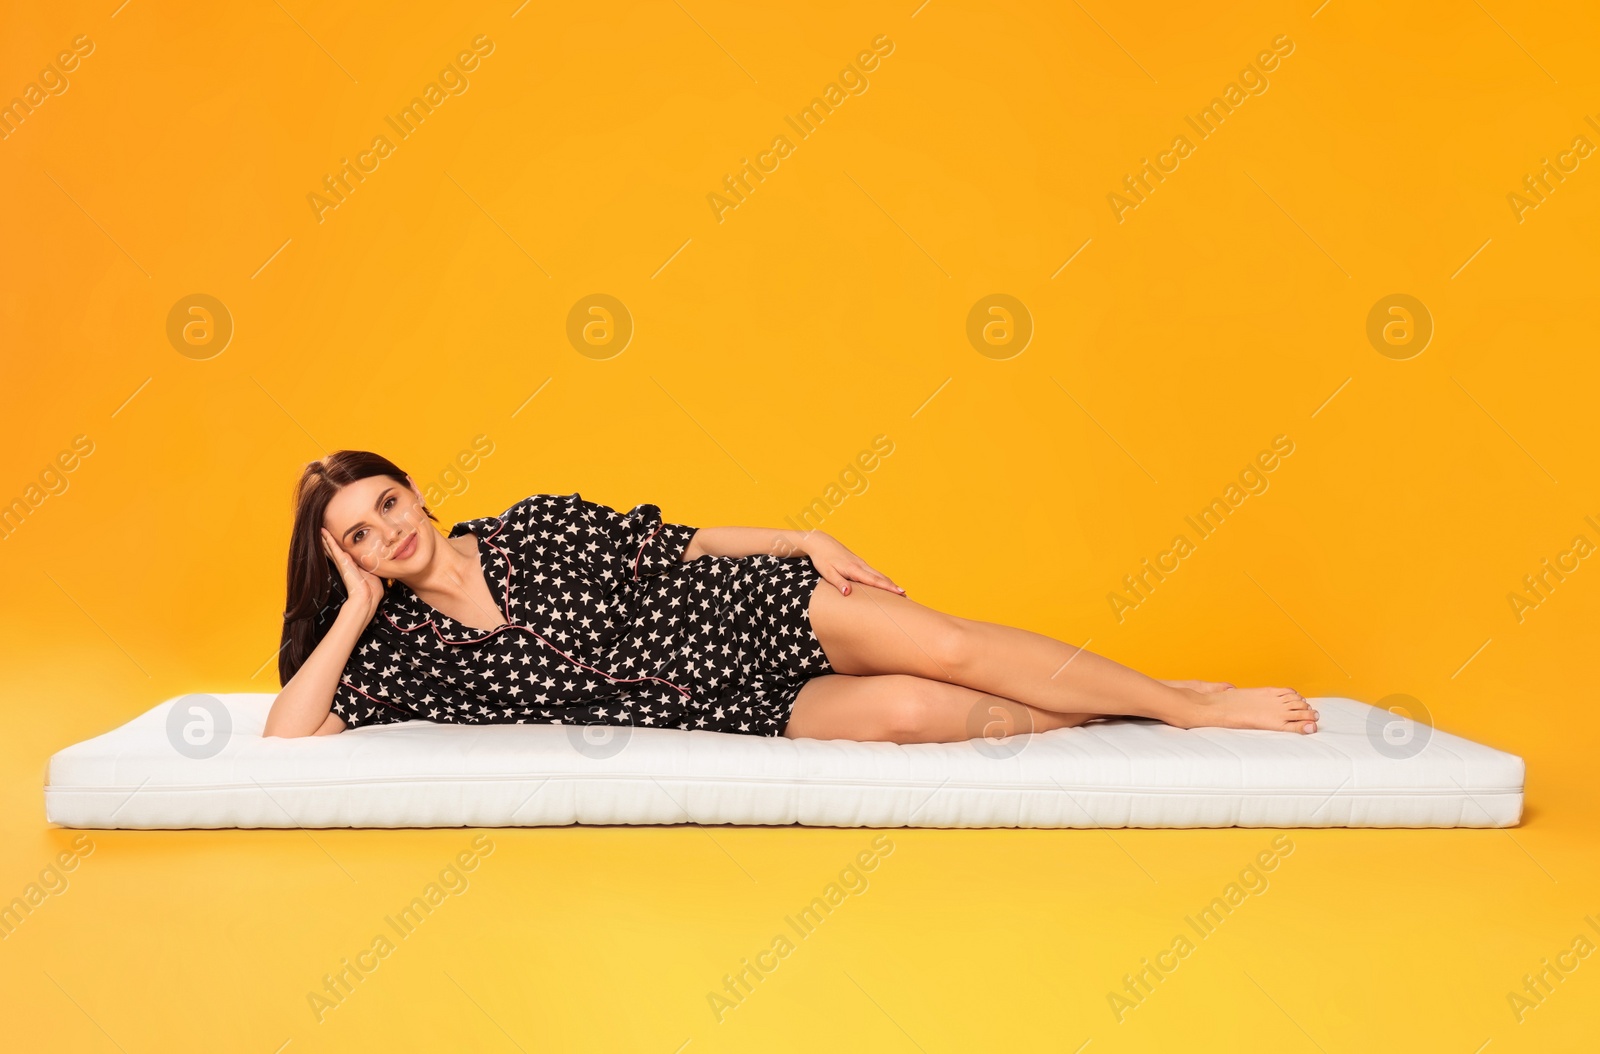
{"x": 611, "y": 614}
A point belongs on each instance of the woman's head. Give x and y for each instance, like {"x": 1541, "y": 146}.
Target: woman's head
{"x": 371, "y": 509}
{"x": 374, "y": 519}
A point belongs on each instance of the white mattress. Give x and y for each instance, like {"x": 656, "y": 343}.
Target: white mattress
{"x": 1126, "y": 772}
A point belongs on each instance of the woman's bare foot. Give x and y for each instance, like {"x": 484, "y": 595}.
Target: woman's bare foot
{"x": 1272, "y": 709}
{"x": 1200, "y": 686}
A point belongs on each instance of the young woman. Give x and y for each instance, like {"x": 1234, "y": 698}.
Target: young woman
{"x": 561, "y": 610}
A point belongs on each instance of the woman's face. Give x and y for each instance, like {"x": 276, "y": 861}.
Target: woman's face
{"x": 382, "y": 525}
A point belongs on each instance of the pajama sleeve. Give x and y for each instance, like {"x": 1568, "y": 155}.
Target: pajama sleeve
{"x": 370, "y": 690}
{"x": 620, "y": 547}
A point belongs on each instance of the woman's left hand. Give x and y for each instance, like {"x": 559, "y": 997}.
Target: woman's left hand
{"x": 839, "y": 566}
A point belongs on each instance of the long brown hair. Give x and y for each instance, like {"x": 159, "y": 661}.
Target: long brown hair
{"x": 316, "y": 590}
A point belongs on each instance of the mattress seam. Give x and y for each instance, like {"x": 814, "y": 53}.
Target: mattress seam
{"x": 767, "y": 782}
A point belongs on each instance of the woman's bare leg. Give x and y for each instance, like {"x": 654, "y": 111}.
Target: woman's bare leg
{"x": 900, "y": 708}
{"x": 874, "y": 632}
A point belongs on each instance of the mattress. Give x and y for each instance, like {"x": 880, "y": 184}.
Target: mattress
{"x": 200, "y": 761}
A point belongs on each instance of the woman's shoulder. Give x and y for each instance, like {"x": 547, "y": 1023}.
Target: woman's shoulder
{"x": 528, "y": 513}
{"x": 525, "y": 506}
{"x": 529, "y": 517}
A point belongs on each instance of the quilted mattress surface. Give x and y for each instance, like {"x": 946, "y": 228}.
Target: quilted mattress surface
{"x": 200, "y": 761}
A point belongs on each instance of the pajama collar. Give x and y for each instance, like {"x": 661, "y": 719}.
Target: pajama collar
{"x": 407, "y": 612}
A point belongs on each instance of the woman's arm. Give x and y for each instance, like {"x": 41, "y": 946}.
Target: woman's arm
{"x": 837, "y": 565}
{"x": 304, "y": 706}
{"x": 746, "y": 541}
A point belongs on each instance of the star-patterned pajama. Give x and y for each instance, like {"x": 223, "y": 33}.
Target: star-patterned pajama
{"x": 604, "y": 623}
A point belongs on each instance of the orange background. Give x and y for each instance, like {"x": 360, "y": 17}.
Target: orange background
{"x": 770, "y": 346}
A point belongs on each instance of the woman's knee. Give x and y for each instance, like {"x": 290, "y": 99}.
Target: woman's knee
{"x": 892, "y": 707}
{"x": 954, "y": 646}
{"x": 861, "y": 707}
{"x": 908, "y": 710}
{"x": 921, "y": 710}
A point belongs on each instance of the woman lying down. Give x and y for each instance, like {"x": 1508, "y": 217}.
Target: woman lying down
{"x": 563, "y": 611}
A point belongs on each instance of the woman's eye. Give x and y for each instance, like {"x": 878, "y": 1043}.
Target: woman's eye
{"x": 356, "y": 538}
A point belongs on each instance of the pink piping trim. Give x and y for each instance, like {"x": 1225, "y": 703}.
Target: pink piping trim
{"x": 640, "y": 555}
{"x": 507, "y": 613}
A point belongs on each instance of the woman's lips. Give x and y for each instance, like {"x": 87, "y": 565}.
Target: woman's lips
{"x": 407, "y": 547}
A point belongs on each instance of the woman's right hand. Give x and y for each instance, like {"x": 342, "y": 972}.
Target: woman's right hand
{"x": 364, "y": 589}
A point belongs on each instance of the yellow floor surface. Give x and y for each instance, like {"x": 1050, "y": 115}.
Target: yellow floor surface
{"x": 696, "y": 938}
